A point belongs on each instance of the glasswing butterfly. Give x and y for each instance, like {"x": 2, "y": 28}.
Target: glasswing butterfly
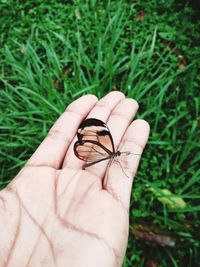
{"x": 95, "y": 143}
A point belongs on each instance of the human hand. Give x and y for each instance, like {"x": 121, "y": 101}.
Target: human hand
{"x": 56, "y": 214}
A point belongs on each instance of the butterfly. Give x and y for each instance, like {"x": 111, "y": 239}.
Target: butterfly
{"x": 95, "y": 143}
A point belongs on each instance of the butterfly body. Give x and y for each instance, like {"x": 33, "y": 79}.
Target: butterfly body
{"x": 117, "y": 154}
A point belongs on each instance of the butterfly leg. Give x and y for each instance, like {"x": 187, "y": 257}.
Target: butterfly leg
{"x": 108, "y": 185}
{"x": 117, "y": 161}
{"x": 105, "y": 181}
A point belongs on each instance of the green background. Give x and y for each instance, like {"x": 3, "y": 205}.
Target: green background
{"x": 52, "y": 52}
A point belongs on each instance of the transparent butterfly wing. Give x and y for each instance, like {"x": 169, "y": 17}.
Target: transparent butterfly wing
{"x": 94, "y": 143}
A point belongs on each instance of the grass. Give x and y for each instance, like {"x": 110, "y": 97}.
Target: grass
{"x": 52, "y": 54}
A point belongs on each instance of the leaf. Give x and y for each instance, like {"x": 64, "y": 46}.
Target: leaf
{"x": 169, "y": 199}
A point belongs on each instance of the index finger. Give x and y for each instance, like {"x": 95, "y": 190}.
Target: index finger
{"x": 52, "y": 150}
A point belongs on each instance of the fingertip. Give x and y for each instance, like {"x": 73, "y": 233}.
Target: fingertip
{"x": 117, "y": 94}
{"x": 88, "y": 97}
{"x": 83, "y": 100}
{"x": 91, "y": 96}
{"x": 142, "y": 123}
{"x": 134, "y": 103}
{"x": 137, "y": 133}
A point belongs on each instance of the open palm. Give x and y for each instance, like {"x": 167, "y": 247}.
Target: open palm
{"x": 56, "y": 214}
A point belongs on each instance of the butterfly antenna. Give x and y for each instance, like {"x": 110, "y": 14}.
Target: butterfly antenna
{"x": 130, "y": 153}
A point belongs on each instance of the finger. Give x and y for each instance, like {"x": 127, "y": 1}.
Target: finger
{"x": 105, "y": 106}
{"x": 134, "y": 141}
{"x": 119, "y": 120}
{"x": 53, "y": 148}
{"x": 102, "y": 111}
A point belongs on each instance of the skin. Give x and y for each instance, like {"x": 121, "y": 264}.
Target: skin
{"x": 56, "y": 214}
